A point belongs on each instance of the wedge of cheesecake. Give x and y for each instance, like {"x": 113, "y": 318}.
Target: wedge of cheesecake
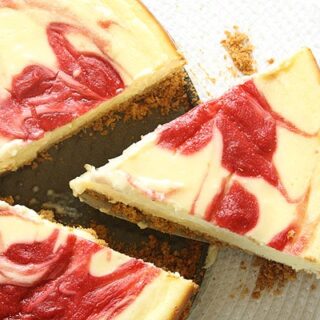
{"x": 48, "y": 271}
{"x": 66, "y": 63}
{"x": 241, "y": 169}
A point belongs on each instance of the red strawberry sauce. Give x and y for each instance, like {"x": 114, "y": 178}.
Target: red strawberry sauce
{"x": 41, "y": 99}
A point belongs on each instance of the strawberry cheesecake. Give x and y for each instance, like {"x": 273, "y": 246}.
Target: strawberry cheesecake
{"x": 65, "y": 63}
{"x": 243, "y": 169}
{"x": 48, "y": 271}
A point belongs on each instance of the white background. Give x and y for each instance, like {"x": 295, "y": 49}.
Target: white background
{"x": 277, "y": 29}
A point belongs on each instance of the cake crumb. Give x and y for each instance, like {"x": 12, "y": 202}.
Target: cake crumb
{"x": 272, "y": 276}
{"x": 33, "y": 201}
{"x": 34, "y": 165}
{"x": 243, "y": 265}
{"x": 45, "y": 156}
{"x": 234, "y": 71}
{"x": 244, "y": 292}
{"x": 47, "y": 214}
{"x": 42, "y": 156}
{"x": 313, "y": 286}
{"x": 8, "y": 200}
{"x": 277, "y": 291}
{"x": 240, "y": 50}
{"x": 256, "y": 295}
{"x": 270, "y": 61}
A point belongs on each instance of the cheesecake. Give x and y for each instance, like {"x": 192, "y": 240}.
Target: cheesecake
{"x": 66, "y": 63}
{"x": 48, "y": 271}
{"x": 243, "y": 169}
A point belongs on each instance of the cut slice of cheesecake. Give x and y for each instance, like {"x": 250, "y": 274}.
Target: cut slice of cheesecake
{"x": 48, "y": 271}
{"x": 66, "y": 63}
{"x": 240, "y": 169}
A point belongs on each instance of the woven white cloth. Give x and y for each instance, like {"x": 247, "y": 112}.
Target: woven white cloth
{"x": 276, "y": 28}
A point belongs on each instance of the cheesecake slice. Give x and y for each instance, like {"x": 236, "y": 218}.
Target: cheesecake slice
{"x": 241, "y": 169}
{"x": 65, "y": 63}
{"x": 48, "y": 271}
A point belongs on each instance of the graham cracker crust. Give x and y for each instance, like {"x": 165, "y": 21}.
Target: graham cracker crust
{"x": 138, "y": 217}
{"x": 167, "y": 95}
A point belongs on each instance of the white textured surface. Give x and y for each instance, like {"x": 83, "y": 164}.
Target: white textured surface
{"x": 277, "y": 29}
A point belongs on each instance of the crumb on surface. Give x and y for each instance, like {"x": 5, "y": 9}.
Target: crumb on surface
{"x": 47, "y": 214}
{"x": 243, "y": 265}
{"x": 313, "y": 286}
{"x": 256, "y": 295}
{"x": 270, "y": 61}
{"x": 42, "y": 156}
{"x": 272, "y": 276}
{"x": 244, "y": 292}
{"x": 8, "y": 199}
{"x": 240, "y": 50}
{"x": 209, "y": 77}
{"x": 33, "y": 201}
{"x": 234, "y": 71}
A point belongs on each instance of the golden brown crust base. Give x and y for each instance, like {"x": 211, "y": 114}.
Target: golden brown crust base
{"x": 137, "y": 216}
{"x": 167, "y": 95}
